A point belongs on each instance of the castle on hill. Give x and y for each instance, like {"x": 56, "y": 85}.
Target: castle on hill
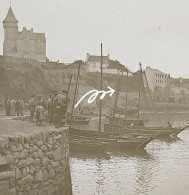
{"x": 22, "y": 44}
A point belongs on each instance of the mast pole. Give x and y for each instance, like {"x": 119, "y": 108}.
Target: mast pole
{"x": 126, "y": 96}
{"x": 100, "y": 109}
{"x": 75, "y": 94}
{"x": 117, "y": 95}
{"x": 139, "y": 78}
{"x": 69, "y": 85}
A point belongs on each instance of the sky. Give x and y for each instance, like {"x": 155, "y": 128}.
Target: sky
{"x": 153, "y": 32}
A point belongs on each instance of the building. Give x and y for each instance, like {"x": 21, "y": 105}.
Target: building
{"x": 156, "y": 79}
{"x": 93, "y": 63}
{"x": 22, "y": 44}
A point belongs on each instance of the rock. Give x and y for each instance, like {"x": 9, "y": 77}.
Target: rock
{"x": 45, "y": 175}
{"x": 35, "y": 155}
{"x": 28, "y": 169}
{"x": 32, "y": 169}
{"x": 36, "y": 162}
{"x": 13, "y": 138}
{"x": 19, "y": 147}
{"x": 50, "y": 155}
{"x": 11, "y": 191}
{"x": 25, "y": 180}
{"x": 34, "y": 186}
{"x": 36, "y": 191}
{"x": 51, "y": 173}
{"x": 16, "y": 155}
{"x": 50, "y": 140}
{"x": 31, "y": 151}
{"x": 55, "y": 164}
{"x": 21, "y": 139}
{"x": 49, "y": 147}
{"x": 39, "y": 143}
{"x": 29, "y": 160}
{"x": 27, "y": 145}
{"x": 38, "y": 177}
{"x": 35, "y": 148}
{"x": 22, "y": 163}
{"x": 57, "y": 137}
{"x": 9, "y": 159}
{"x": 26, "y": 139}
{"x": 59, "y": 153}
{"x": 2, "y": 142}
{"x": 43, "y": 148}
{"x": 16, "y": 161}
{"x": 50, "y": 189}
{"x": 40, "y": 153}
{"x": 18, "y": 173}
{"x": 45, "y": 161}
{"x": 43, "y": 136}
{"x": 24, "y": 154}
{"x": 13, "y": 148}
{"x": 37, "y": 136}
{"x": 23, "y": 172}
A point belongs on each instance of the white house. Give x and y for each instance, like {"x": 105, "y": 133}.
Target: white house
{"x": 156, "y": 79}
{"x": 93, "y": 63}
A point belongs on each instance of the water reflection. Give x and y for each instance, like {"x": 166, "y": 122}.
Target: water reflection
{"x": 147, "y": 169}
{"x": 160, "y": 169}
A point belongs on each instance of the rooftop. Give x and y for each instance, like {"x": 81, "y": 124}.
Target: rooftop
{"x": 93, "y": 58}
{"x": 10, "y": 17}
{"x": 155, "y": 71}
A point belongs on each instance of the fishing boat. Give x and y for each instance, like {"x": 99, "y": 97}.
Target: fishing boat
{"x": 156, "y": 132}
{"x": 137, "y": 126}
{"x": 113, "y": 140}
{"x": 94, "y": 140}
{"x": 80, "y": 145}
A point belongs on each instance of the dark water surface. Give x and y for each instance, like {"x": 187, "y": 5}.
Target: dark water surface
{"x": 162, "y": 170}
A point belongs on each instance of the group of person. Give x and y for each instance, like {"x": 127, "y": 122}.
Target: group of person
{"x": 14, "y": 107}
{"x": 54, "y": 111}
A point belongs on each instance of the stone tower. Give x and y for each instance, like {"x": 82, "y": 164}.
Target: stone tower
{"x": 10, "y": 25}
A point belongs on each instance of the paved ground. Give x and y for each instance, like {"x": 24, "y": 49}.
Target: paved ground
{"x": 9, "y": 126}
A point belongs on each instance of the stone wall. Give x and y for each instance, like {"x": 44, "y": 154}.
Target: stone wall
{"x": 35, "y": 164}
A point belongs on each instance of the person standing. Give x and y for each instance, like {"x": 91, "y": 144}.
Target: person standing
{"x": 40, "y": 114}
{"x": 17, "y": 107}
{"x": 32, "y": 106}
{"x": 50, "y": 109}
{"x": 62, "y": 105}
{"x": 6, "y": 106}
{"x": 21, "y": 107}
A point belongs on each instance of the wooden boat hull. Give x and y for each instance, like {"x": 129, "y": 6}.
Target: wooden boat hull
{"x": 113, "y": 140}
{"x": 86, "y": 146}
{"x": 146, "y": 131}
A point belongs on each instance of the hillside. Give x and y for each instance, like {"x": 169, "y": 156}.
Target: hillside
{"x": 21, "y": 79}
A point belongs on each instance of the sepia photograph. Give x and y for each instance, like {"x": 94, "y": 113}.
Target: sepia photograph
{"x": 94, "y": 97}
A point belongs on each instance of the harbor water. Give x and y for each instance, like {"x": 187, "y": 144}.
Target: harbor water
{"x": 162, "y": 168}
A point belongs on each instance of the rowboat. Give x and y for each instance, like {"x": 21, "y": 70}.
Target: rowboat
{"x": 79, "y": 120}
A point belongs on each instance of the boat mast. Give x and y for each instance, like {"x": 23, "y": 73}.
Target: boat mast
{"x": 117, "y": 95}
{"x": 75, "y": 94}
{"x": 126, "y": 96}
{"x": 69, "y": 85}
{"x": 139, "y": 79}
{"x": 100, "y": 109}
